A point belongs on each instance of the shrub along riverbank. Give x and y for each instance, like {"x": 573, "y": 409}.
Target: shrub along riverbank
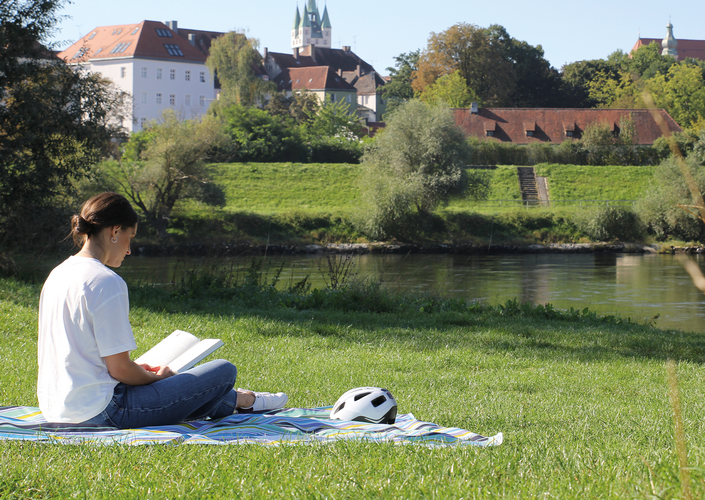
{"x": 583, "y": 401}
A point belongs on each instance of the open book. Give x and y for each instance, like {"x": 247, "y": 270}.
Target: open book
{"x": 179, "y": 351}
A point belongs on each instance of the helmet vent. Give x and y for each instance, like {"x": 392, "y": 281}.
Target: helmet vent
{"x": 340, "y": 407}
{"x": 360, "y": 396}
{"x": 378, "y": 401}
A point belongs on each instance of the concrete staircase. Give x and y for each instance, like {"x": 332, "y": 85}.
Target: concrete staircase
{"x": 528, "y": 186}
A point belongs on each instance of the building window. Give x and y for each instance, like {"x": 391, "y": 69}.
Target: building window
{"x": 569, "y": 133}
{"x": 202, "y": 100}
{"x": 159, "y": 73}
{"x": 123, "y": 72}
{"x": 187, "y": 100}
{"x": 489, "y": 133}
{"x": 144, "y": 72}
{"x": 172, "y": 74}
{"x": 143, "y": 122}
{"x": 203, "y": 77}
{"x": 92, "y": 35}
{"x": 144, "y": 97}
{"x": 172, "y": 99}
{"x": 187, "y": 75}
{"x": 159, "y": 98}
{"x": 173, "y": 50}
{"x": 349, "y": 98}
{"x": 332, "y": 98}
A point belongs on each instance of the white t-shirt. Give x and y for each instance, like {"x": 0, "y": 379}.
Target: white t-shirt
{"x": 83, "y": 317}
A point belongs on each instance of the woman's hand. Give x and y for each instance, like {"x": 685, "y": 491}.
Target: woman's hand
{"x": 161, "y": 371}
{"x": 124, "y": 370}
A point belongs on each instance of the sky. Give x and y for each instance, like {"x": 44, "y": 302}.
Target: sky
{"x": 379, "y": 30}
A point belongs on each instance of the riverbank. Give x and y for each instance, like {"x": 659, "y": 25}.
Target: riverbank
{"x": 247, "y": 248}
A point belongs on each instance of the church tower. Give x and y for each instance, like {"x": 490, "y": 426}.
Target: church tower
{"x": 669, "y": 44}
{"x": 310, "y": 28}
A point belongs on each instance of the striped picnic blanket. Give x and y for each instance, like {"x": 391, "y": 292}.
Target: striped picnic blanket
{"x": 286, "y": 426}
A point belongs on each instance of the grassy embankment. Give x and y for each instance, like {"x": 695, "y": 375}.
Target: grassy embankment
{"x": 305, "y": 203}
{"x": 583, "y": 402}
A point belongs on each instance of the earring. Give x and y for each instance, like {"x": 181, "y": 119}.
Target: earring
{"x": 114, "y": 239}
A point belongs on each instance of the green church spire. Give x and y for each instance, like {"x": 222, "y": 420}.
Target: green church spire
{"x": 326, "y": 21}
{"x": 297, "y": 20}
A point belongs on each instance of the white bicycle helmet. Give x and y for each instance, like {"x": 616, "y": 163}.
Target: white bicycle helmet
{"x": 366, "y": 404}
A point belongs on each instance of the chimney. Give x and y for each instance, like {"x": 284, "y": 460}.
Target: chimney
{"x": 266, "y": 53}
{"x": 172, "y": 25}
{"x": 357, "y": 70}
{"x": 346, "y": 48}
{"x": 192, "y": 39}
{"x": 312, "y": 49}
{"x": 296, "y": 53}
{"x": 474, "y": 108}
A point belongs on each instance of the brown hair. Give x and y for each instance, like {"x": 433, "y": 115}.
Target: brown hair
{"x": 101, "y": 211}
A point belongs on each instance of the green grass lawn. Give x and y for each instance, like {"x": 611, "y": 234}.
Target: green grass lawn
{"x": 579, "y": 182}
{"x": 283, "y": 187}
{"x": 583, "y": 402}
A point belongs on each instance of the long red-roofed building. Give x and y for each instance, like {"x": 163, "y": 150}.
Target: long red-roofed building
{"x": 555, "y": 125}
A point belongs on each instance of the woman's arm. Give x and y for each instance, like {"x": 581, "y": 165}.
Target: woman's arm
{"x": 124, "y": 370}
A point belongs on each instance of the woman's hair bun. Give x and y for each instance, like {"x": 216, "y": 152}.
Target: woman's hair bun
{"x": 81, "y": 225}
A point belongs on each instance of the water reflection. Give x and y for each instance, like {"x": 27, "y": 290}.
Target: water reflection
{"x": 639, "y": 286}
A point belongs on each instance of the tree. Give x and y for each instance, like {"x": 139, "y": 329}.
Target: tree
{"x": 234, "y": 60}
{"x": 659, "y": 208}
{"x": 399, "y": 88}
{"x": 603, "y": 147}
{"x": 451, "y": 90}
{"x": 479, "y": 58}
{"x": 54, "y": 121}
{"x": 171, "y": 166}
{"x": 258, "y": 135}
{"x": 576, "y": 78}
{"x": 498, "y": 69}
{"x": 681, "y": 92}
{"x": 415, "y": 164}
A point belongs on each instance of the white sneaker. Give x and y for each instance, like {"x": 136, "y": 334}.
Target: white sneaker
{"x": 265, "y": 401}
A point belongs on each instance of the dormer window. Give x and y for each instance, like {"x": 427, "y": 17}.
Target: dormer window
{"x": 529, "y": 133}
{"x": 529, "y": 128}
{"x": 490, "y": 133}
{"x": 569, "y": 133}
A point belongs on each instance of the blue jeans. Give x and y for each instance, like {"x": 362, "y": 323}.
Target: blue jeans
{"x": 205, "y": 391}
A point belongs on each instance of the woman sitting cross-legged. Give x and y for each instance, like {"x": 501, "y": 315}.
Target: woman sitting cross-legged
{"x": 86, "y": 375}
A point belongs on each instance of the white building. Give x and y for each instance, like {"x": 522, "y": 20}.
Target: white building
{"x": 159, "y": 65}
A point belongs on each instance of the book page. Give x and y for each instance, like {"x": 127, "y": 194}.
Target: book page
{"x": 168, "y": 349}
{"x": 195, "y": 354}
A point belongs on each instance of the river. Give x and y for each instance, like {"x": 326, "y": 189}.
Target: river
{"x": 638, "y": 286}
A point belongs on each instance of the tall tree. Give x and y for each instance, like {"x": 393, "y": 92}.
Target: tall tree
{"x": 234, "y": 59}
{"x": 415, "y": 164}
{"x": 479, "y": 58}
{"x": 681, "y": 91}
{"x": 498, "y": 69}
{"x": 54, "y": 121}
{"x": 399, "y": 88}
{"x": 170, "y": 166}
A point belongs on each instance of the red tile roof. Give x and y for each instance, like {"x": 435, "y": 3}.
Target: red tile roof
{"x": 148, "y": 39}
{"x": 311, "y": 78}
{"x": 553, "y": 125}
{"x": 686, "y": 48}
